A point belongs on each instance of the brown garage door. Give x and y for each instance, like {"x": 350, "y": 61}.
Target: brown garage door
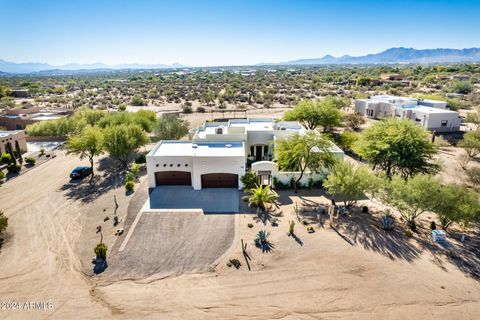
{"x": 173, "y": 178}
{"x": 219, "y": 180}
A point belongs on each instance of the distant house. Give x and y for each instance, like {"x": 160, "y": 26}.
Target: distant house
{"x": 21, "y": 93}
{"x": 8, "y": 139}
{"x": 431, "y": 114}
{"x": 219, "y": 153}
{"x": 392, "y": 76}
{"x": 19, "y": 118}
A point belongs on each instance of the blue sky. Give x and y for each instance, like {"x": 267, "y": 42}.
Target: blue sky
{"x": 199, "y": 33}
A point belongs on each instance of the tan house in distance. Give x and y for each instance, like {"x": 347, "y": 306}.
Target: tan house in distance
{"x": 7, "y": 137}
{"x": 19, "y": 118}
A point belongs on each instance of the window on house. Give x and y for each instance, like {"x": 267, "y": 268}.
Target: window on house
{"x": 444, "y": 123}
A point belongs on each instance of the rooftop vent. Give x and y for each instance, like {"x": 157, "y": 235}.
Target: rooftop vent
{"x": 228, "y": 145}
{"x": 219, "y": 130}
{"x": 194, "y": 145}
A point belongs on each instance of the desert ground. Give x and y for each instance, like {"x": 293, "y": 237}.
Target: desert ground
{"x": 351, "y": 271}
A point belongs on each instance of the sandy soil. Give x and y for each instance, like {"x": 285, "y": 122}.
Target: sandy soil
{"x": 51, "y": 235}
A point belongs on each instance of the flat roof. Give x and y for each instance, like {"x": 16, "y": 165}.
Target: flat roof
{"x": 428, "y": 109}
{"x": 198, "y": 149}
{"x": 8, "y": 133}
{"x": 255, "y": 124}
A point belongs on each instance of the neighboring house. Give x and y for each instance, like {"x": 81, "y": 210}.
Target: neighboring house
{"x": 219, "y": 153}
{"x": 9, "y": 137}
{"x": 19, "y": 118}
{"x": 20, "y": 93}
{"x": 431, "y": 114}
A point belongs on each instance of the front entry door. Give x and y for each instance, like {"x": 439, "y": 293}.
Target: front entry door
{"x": 258, "y": 153}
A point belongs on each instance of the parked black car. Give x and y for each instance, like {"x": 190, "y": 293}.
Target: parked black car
{"x": 81, "y": 172}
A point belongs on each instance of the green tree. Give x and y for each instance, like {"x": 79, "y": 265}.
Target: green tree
{"x": 304, "y": 152}
{"x": 471, "y": 143}
{"x": 351, "y": 182}
{"x": 397, "y": 147}
{"x": 412, "y": 197}
{"x": 88, "y": 144}
{"x": 170, "y": 127}
{"x": 314, "y": 114}
{"x": 457, "y": 204}
{"x": 3, "y": 222}
{"x": 260, "y": 196}
{"x": 122, "y": 140}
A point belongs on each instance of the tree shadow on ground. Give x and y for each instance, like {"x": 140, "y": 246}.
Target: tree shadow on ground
{"x": 361, "y": 229}
{"x": 269, "y": 216}
{"x": 90, "y": 188}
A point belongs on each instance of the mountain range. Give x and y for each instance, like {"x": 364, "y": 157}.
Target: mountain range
{"x": 390, "y": 56}
{"x": 396, "y": 56}
{"x": 30, "y": 67}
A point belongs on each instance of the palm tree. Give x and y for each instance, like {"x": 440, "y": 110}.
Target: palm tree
{"x": 260, "y": 196}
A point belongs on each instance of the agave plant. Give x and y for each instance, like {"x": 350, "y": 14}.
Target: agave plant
{"x": 262, "y": 238}
{"x": 386, "y": 222}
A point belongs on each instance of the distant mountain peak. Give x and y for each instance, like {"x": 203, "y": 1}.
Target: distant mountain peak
{"x": 398, "y": 55}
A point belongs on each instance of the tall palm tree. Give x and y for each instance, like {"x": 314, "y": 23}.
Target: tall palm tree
{"x": 260, "y": 196}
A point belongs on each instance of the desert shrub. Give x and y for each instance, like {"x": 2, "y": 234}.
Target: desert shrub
{"x": 29, "y": 160}
{"x": 141, "y": 159}
{"x": 5, "y": 158}
{"x": 249, "y": 180}
{"x": 408, "y": 234}
{"x": 101, "y": 250}
{"x": 433, "y": 225}
{"x": 201, "y": 110}
{"x": 137, "y": 101}
{"x": 14, "y": 168}
{"x": 3, "y": 222}
{"x": 186, "y": 109}
{"x": 234, "y": 262}
{"x": 135, "y": 170}
{"x": 250, "y": 225}
{"x": 474, "y": 175}
{"x": 2, "y": 175}
{"x": 42, "y": 151}
{"x": 129, "y": 177}
{"x": 129, "y": 185}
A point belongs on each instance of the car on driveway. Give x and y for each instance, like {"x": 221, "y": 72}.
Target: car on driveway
{"x": 81, "y": 172}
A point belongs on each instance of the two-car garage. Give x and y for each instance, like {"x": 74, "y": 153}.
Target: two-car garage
{"x": 209, "y": 180}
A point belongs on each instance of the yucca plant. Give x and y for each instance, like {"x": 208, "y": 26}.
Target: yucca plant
{"x": 386, "y": 222}
{"x": 260, "y": 196}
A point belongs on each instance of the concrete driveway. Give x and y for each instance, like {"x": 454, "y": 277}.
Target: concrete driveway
{"x": 213, "y": 200}
{"x": 169, "y": 243}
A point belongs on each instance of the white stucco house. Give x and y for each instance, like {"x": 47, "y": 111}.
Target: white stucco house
{"x": 219, "y": 153}
{"x": 430, "y": 114}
